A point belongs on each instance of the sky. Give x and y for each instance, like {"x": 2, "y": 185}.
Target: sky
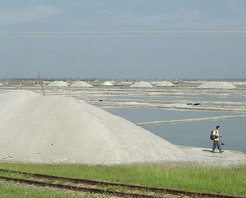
{"x": 162, "y": 39}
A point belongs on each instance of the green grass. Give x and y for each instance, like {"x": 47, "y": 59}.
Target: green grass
{"x": 231, "y": 181}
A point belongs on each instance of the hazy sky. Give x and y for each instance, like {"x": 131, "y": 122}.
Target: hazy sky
{"x": 123, "y": 38}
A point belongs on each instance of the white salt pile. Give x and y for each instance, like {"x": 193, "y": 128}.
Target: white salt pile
{"x": 1, "y": 84}
{"x": 50, "y": 129}
{"x": 58, "y": 84}
{"x": 125, "y": 83}
{"x": 217, "y": 85}
{"x": 141, "y": 84}
{"x": 107, "y": 83}
{"x": 165, "y": 84}
{"x": 81, "y": 84}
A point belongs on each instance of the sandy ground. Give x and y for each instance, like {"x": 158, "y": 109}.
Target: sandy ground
{"x": 204, "y": 156}
{"x": 191, "y": 156}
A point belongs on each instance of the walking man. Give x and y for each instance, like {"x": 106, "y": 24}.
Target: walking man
{"x": 216, "y": 142}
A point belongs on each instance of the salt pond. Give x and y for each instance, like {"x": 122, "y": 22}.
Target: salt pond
{"x": 147, "y": 114}
{"x": 197, "y": 133}
{"x": 195, "y": 99}
{"x": 192, "y": 133}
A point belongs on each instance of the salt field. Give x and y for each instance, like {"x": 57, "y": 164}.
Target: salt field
{"x": 163, "y": 124}
{"x": 122, "y": 99}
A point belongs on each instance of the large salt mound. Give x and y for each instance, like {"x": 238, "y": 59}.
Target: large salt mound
{"x": 81, "y": 84}
{"x": 141, "y": 84}
{"x": 47, "y": 129}
{"x": 165, "y": 84}
{"x": 1, "y": 84}
{"x": 217, "y": 85}
{"x": 58, "y": 84}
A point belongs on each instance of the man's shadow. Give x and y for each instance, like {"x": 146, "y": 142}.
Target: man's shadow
{"x": 207, "y": 150}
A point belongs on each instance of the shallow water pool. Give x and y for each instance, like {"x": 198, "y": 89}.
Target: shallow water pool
{"x": 190, "y": 133}
{"x": 197, "y": 133}
{"x": 148, "y": 114}
{"x": 194, "y": 99}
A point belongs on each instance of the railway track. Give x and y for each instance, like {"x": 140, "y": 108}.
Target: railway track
{"x": 103, "y": 184}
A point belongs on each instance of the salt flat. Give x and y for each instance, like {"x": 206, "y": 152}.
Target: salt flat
{"x": 107, "y": 98}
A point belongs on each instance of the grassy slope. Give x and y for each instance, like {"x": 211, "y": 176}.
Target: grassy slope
{"x": 202, "y": 179}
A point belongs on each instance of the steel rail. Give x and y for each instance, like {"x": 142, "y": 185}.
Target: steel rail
{"x": 132, "y": 186}
{"x": 78, "y": 188}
